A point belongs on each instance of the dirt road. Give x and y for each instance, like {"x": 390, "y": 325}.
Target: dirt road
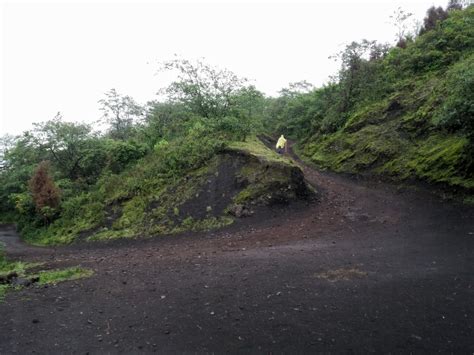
{"x": 368, "y": 268}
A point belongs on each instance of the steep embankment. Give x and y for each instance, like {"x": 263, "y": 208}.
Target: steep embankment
{"x": 232, "y": 184}
{"x": 422, "y": 126}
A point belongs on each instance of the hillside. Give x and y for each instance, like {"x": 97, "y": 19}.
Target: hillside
{"x": 407, "y": 113}
{"x": 233, "y": 182}
{"x": 191, "y": 161}
{"x": 189, "y": 224}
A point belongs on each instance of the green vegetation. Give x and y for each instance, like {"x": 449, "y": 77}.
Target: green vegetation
{"x": 7, "y": 267}
{"x": 406, "y": 112}
{"x": 152, "y": 173}
{"x": 11, "y": 270}
{"x": 55, "y": 276}
{"x": 255, "y": 147}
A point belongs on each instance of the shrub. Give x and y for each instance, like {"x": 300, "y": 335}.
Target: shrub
{"x": 45, "y": 194}
{"x": 457, "y": 110}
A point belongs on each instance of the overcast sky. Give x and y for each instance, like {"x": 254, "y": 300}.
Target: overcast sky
{"x": 62, "y": 56}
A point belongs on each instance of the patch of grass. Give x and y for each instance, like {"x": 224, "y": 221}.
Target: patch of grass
{"x": 110, "y": 234}
{"x": 79, "y": 214}
{"x": 21, "y": 270}
{"x": 438, "y": 159}
{"x": 370, "y": 114}
{"x": 255, "y": 147}
{"x": 3, "y": 292}
{"x": 7, "y": 266}
{"x": 469, "y": 200}
{"x": 133, "y": 213}
{"x": 8, "y": 217}
{"x": 205, "y": 224}
{"x": 56, "y": 276}
{"x": 157, "y": 211}
{"x": 356, "y": 152}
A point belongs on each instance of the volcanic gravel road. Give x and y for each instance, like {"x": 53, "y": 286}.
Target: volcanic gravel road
{"x": 367, "y": 268}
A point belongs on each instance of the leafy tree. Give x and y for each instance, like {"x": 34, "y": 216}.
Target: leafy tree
{"x": 455, "y": 5}
{"x": 433, "y": 16}
{"x": 403, "y": 22}
{"x": 163, "y": 120}
{"x": 248, "y": 108}
{"x": 296, "y": 88}
{"x": 358, "y": 71}
{"x": 121, "y": 154}
{"x": 7, "y": 142}
{"x": 204, "y": 90}
{"x": 20, "y": 158}
{"x": 68, "y": 145}
{"x": 457, "y": 111}
{"x": 120, "y": 112}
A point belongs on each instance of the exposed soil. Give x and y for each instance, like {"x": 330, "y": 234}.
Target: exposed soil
{"x": 217, "y": 192}
{"x": 368, "y": 268}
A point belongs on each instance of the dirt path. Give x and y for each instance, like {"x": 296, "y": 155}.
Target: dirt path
{"x": 14, "y": 247}
{"x": 369, "y": 268}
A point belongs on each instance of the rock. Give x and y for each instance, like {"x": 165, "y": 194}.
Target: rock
{"x": 6, "y": 279}
{"x": 34, "y": 279}
{"x": 20, "y": 281}
{"x": 240, "y": 211}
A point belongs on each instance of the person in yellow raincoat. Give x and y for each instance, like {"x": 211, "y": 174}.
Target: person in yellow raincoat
{"x": 281, "y": 145}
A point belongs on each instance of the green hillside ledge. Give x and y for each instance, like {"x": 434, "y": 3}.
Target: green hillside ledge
{"x": 253, "y": 146}
{"x": 138, "y": 203}
{"x": 268, "y": 177}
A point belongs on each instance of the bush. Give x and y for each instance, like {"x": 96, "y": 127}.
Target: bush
{"x": 457, "y": 111}
{"x": 45, "y": 194}
{"x": 121, "y": 154}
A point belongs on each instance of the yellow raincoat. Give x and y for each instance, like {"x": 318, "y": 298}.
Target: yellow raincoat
{"x": 281, "y": 142}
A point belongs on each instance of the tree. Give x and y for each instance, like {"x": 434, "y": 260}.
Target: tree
{"x": 7, "y": 142}
{"x": 296, "y": 88}
{"x": 45, "y": 194}
{"x": 403, "y": 22}
{"x": 120, "y": 112}
{"x": 67, "y": 144}
{"x": 433, "y": 16}
{"x": 455, "y": 5}
{"x": 163, "y": 120}
{"x": 353, "y": 70}
{"x": 204, "y": 90}
{"x": 249, "y": 102}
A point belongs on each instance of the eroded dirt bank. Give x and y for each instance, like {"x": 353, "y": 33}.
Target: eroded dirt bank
{"x": 368, "y": 268}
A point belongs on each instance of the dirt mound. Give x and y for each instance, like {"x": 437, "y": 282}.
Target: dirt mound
{"x": 240, "y": 181}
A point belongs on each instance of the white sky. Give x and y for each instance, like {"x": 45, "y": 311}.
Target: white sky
{"x": 63, "y": 55}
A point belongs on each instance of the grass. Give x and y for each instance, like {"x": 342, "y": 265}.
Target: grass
{"x": 21, "y": 269}
{"x": 8, "y": 267}
{"x": 55, "y": 276}
{"x": 256, "y": 148}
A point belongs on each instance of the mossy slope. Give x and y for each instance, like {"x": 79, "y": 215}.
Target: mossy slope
{"x": 374, "y": 141}
{"x": 138, "y": 203}
{"x": 421, "y": 128}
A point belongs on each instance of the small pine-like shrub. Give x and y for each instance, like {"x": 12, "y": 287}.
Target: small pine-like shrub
{"x": 45, "y": 193}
